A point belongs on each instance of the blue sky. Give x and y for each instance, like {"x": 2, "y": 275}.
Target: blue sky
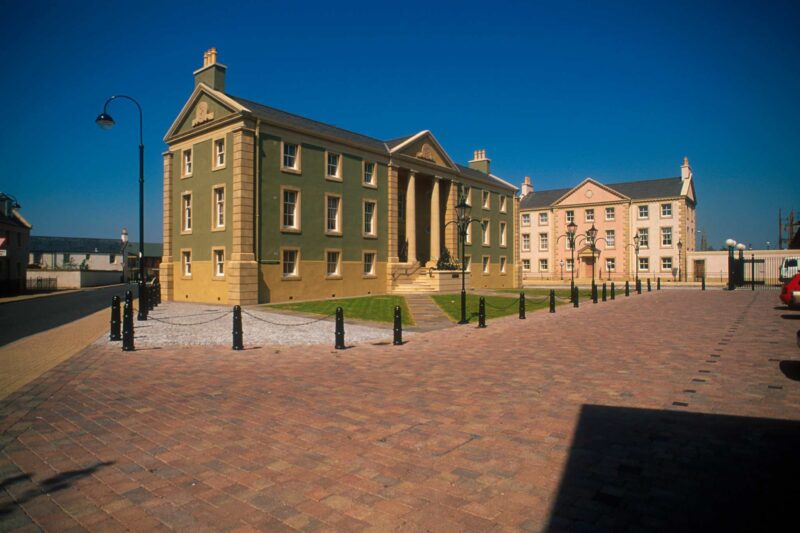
{"x": 555, "y": 90}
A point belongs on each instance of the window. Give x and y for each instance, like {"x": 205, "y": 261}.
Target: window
{"x": 219, "y": 153}
{"x": 187, "y": 263}
{"x": 611, "y": 238}
{"x": 502, "y": 233}
{"x": 610, "y": 213}
{"x": 333, "y": 214}
{"x": 469, "y": 234}
{"x": 112, "y": 259}
{"x": 526, "y": 264}
{"x": 502, "y": 264}
{"x": 369, "y": 263}
{"x": 485, "y": 264}
{"x": 542, "y": 219}
{"x": 666, "y": 263}
{"x": 666, "y": 210}
{"x": 290, "y": 266}
{"x": 219, "y": 207}
{"x": 291, "y": 210}
{"x": 370, "y": 228}
{"x": 544, "y": 242}
{"x": 502, "y": 203}
{"x": 291, "y": 157}
{"x": 644, "y": 237}
{"x": 333, "y": 167}
{"x": 187, "y": 162}
{"x": 467, "y": 262}
{"x": 467, "y": 191}
{"x": 644, "y": 212}
{"x": 543, "y": 266}
{"x": 526, "y": 219}
{"x": 570, "y": 265}
{"x": 526, "y": 242}
{"x": 219, "y": 263}
{"x": 611, "y": 264}
{"x": 187, "y": 211}
{"x": 644, "y": 264}
{"x": 486, "y": 234}
{"x": 487, "y": 200}
{"x": 369, "y": 174}
{"x": 570, "y": 216}
{"x": 66, "y": 259}
{"x": 332, "y": 263}
{"x": 590, "y": 215}
{"x": 666, "y": 236}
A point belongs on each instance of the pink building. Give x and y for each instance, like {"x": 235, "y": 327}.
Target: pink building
{"x": 660, "y": 211}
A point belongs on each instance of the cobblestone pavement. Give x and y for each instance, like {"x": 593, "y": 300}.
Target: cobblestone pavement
{"x": 675, "y": 410}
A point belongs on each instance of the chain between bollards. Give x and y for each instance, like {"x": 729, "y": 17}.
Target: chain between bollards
{"x": 398, "y": 326}
{"x": 114, "y": 332}
{"x": 339, "y": 328}
{"x": 522, "y": 306}
{"x": 552, "y": 300}
{"x": 605, "y": 293}
{"x": 238, "y": 336}
{"x": 482, "y": 313}
{"x": 612, "y": 290}
{"x": 127, "y": 324}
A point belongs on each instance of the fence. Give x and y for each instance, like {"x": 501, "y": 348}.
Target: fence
{"x": 41, "y": 284}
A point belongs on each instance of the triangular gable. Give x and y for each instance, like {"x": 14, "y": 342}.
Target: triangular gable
{"x": 590, "y": 191}
{"x": 203, "y": 106}
{"x": 424, "y": 146}
{"x": 687, "y": 189}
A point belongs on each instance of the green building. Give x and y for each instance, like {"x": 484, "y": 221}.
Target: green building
{"x": 261, "y": 205}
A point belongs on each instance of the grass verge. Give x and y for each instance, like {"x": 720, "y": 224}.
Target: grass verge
{"x": 496, "y": 306}
{"x": 378, "y": 308}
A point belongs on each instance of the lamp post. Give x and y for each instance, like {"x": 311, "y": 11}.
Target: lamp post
{"x": 462, "y": 222}
{"x": 561, "y": 264}
{"x": 740, "y": 269}
{"x": 730, "y": 243}
{"x": 591, "y": 237}
{"x": 105, "y": 121}
{"x": 570, "y": 235}
{"x": 124, "y": 239}
{"x": 680, "y": 263}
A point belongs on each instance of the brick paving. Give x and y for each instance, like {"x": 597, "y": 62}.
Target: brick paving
{"x": 669, "y": 410}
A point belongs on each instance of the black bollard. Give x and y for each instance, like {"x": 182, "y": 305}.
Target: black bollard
{"x": 238, "y": 340}
{"x": 658, "y": 283}
{"x": 552, "y": 300}
{"x": 612, "y": 290}
{"x": 482, "y": 313}
{"x": 627, "y": 288}
{"x": 594, "y": 293}
{"x": 522, "y": 306}
{"x": 605, "y": 294}
{"x": 649, "y": 286}
{"x": 638, "y": 286}
{"x": 703, "y": 283}
{"x": 128, "y": 297}
{"x": 398, "y": 326}
{"x": 114, "y": 333}
{"x": 127, "y": 326}
{"x": 339, "y": 328}
{"x": 151, "y": 298}
{"x": 571, "y": 289}
{"x": 575, "y": 297}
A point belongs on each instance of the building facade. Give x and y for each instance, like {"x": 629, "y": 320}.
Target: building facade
{"x": 261, "y": 205}
{"x": 660, "y": 211}
{"x": 14, "y": 236}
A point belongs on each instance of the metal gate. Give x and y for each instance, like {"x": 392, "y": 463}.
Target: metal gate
{"x": 752, "y": 273}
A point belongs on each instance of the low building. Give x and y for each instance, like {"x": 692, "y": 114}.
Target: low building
{"x": 14, "y": 235}
{"x": 661, "y": 212}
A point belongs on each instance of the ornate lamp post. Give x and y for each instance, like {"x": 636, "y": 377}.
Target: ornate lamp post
{"x": 570, "y": 235}
{"x": 124, "y": 239}
{"x": 636, "y": 253}
{"x": 591, "y": 238}
{"x": 740, "y": 270}
{"x": 462, "y": 222}
{"x": 561, "y": 264}
{"x": 105, "y": 121}
{"x": 730, "y": 243}
{"x": 680, "y": 263}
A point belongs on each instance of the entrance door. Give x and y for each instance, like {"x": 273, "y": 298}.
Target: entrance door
{"x": 587, "y": 267}
{"x": 699, "y": 269}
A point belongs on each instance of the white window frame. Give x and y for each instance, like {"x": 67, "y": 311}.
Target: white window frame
{"x": 297, "y": 204}
{"x": 187, "y": 162}
{"x": 372, "y": 273}
{"x": 646, "y": 242}
{"x": 486, "y": 199}
{"x": 218, "y": 208}
{"x": 544, "y": 244}
{"x": 612, "y": 212}
{"x": 339, "y": 162}
{"x": 337, "y": 274}
{"x": 468, "y": 263}
{"x": 186, "y": 262}
{"x": 543, "y": 218}
{"x": 373, "y": 223}
{"x": 611, "y": 264}
{"x": 588, "y": 214}
{"x": 526, "y": 265}
{"x": 646, "y": 262}
{"x": 526, "y": 242}
{"x": 503, "y": 207}
{"x": 218, "y": 157}
{"x": 646, "y": 215}
{"x": 486, "y": 232}
{"x": 502, "y": 265}
{"x": 502, "y": 227}
{"x": 337, "y": 231}
{"x": 671, "y": 263}
{"x": 569, "y": 265}
{"x": 611, "y": 238}
{"x": 544, "y": 265}
{"x": 373, "y": 183}
{"x": 669, "y": 208}
{"x": 569, "y": 215}
{"x": 666, "y": 231}
{"x": 295, "y": 273}
{"x": 297, "y": 168}
{"x": 526, "y": 219}
{"x": 486, "y": 265}
{"x": 218, "y": 266}
{"x": 186, "y": 212}
{"x": 467, "y": 190}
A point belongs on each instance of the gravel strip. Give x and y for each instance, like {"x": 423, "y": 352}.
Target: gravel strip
{"x": 184, "y": 324}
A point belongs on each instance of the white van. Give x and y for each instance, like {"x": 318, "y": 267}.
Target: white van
{"x": 789, "y": 267}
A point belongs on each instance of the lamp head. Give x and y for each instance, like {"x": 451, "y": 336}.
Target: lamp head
{"x": 730, "y": 243}
{"x": 461, "y": 208}
{"x": 572, "y": 227}
{"x": 636, "y": 239}
{"x": 680, "y": 245}
{"x": 124, "y": 236}
{"x": 591, "y": 233}
{"x": 740, "y": 246}
{"x": 104, "y": 120}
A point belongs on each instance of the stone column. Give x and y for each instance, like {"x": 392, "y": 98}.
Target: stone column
{"x": 393, "y": 214}
{"x": 436, "y": 243}
{"x": 166, "y": 276}
{"x": 411, "y": 217}
{"x": 242, "y": 268}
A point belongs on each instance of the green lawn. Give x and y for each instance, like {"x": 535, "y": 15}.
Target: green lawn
{"x": 378, "y": 308}
{"x": 496, "y": 306}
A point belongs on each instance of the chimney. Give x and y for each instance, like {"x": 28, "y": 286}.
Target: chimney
{"x": 211, "y": 73}
{"x": 527, "y": 188}
{"x": 480, "y": 162}
{"x": 686, "y": 170}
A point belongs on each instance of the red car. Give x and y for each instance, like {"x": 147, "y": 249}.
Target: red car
{"x": 790, "y": 293}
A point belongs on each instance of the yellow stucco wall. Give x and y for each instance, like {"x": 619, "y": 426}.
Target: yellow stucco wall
{"x": 313, "y": 285}
{"x": 201, "y": 287}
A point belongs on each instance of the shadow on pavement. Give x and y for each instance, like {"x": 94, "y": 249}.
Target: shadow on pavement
{"x": 790, "y": 369}
{"x": 52, "y": 484}
{"x": 791, "y": 317}
{"x": 643, "y": 470}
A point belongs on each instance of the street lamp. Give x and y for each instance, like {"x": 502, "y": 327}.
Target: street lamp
{"x": 740, "y": 270}
{"x": 591, "y": 237}
{"x": 105, "y": 121}
{"x": 636, "y": 253}
{"x": 561, "y": 264}
{"x": 730, "y": 243}
{"x": 572, "y": 229}
{"x": 124, "y": 239}
{"x": 680, "y": 264}
{"x": 462, "y": 222}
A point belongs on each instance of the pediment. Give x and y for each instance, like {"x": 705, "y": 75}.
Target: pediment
{"x": 424, "y": 146}
{"x": 590, "y": 191}
{"x": 204, "y": 106}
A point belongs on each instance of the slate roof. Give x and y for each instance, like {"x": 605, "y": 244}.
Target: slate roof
{"x": 87, "y": 245}
{"x": 635, "y": 190}
{"x": 268, "y": 113}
